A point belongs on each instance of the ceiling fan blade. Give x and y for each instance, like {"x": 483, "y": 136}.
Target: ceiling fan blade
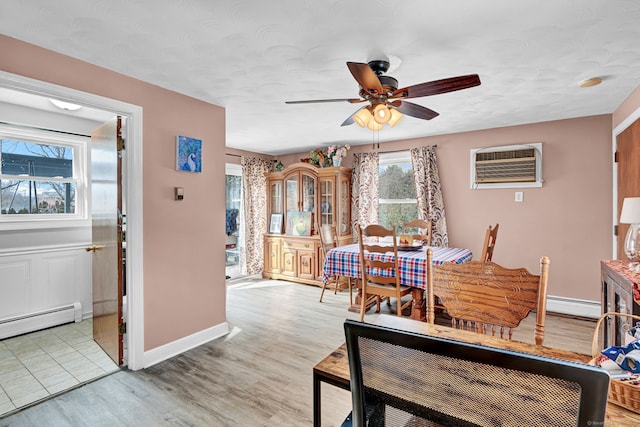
{"x": 349, "y": 120}
{"x": 365, "y": 77}
{"x": 414, "y": 110}
{"x": 316, "y": 101}
{"x": 438, "y": 86}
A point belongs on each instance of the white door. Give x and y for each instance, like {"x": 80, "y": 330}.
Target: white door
{"x": 106, "y": 208}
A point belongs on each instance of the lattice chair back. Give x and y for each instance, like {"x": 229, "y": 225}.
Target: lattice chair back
{"x": 401, "y": 378}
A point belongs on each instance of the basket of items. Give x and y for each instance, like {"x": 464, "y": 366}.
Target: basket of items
{"x": 622, "y": 363}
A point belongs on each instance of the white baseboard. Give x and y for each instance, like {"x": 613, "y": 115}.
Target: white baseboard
{"x": 574, "y": 307}
{"x": 174, "y": 348}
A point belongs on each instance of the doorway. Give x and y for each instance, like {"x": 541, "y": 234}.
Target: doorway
{"x": 234, "y": 241}
{"x": 43, "y": 176}
{"x": 132, "y": 183}
{"x": 626, "y": 174}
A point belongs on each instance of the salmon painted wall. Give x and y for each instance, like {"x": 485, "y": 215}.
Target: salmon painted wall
{"x": 184, "y": 284}
{"x": 568, "y": 219}
{"x": 234, "y": 156}
{"x": 627, "y": 108}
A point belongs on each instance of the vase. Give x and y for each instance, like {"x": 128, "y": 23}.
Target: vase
{"x": 337, "y": 162}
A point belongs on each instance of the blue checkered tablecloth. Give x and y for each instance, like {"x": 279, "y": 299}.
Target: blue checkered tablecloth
{"x": 345, "y": 261}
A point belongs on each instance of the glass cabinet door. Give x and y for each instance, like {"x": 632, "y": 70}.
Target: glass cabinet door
{"x": 308, "y": 193}
{"x": 344, "y": 197}
{"x": 291, "y": 188}
{"x": 276, "y": 197}
{"x": 308, "y": 197}
{"x": 327, "y": 192}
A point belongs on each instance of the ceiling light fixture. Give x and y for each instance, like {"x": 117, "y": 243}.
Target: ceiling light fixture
{"x": 362, "y": 117}
{"x": 381, "y": 114}
{"x": 65, "y": 105}
{"x": 395, "y": 117}
{"x": 373, "y": 125}
{"x": 376, "y": 118}
{"x": 594, "y": 81}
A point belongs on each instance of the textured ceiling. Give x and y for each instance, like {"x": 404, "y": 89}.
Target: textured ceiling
{"x": 250, "y": 56}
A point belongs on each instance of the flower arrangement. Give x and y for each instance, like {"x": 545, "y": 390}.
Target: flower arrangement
{"x": 318, "y": 157}
{"x": 337, "y": 153}
{"x": 333, "y": 155}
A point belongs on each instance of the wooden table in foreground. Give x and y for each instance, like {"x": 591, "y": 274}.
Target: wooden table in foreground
{"x": 334, "y": 369}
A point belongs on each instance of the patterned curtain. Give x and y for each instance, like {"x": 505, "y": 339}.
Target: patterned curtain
{"x": 254, "y": 189}
{"x": 364, "y": 191}
{"x": 429, "y": 193}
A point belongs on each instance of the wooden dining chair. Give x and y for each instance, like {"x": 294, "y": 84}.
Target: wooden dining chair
{"x": 483, "y": 296}
{"x": 489, "y": 243}
{"x": 424, "y": 230}
{"x": 380, "y": 279}
{"x": 329, "y": 240}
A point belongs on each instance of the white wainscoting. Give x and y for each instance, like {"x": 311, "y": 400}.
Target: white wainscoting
{"x": 42, "y": 287}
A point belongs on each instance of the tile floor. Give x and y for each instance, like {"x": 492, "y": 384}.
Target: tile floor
{"x": 37, "y": 365}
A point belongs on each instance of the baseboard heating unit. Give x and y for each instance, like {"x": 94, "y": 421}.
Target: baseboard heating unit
{"x": 30, "y": 322}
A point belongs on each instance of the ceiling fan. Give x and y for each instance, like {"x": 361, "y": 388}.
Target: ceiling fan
{"x": 386, "y": 101}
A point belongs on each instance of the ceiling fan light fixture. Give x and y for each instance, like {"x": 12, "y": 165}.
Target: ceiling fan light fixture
{"x": 381, "y": 114}
{"x": 362, "y": 117}
{"x": 386, "y": 101}
{"x": 373, "y": 125}
{"x": 395, "y": 117}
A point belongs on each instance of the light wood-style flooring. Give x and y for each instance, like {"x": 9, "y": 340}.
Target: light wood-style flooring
{"x": 258, "y": 375}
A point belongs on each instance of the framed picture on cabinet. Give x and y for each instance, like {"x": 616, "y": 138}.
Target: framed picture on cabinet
{"x": 275, "y": 225}
{"x": 299, "y": 223}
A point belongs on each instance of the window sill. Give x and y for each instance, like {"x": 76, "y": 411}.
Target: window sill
{"x": 41, "y": 224}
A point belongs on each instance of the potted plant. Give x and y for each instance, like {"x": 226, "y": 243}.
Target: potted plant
{"x": 336, "y": 153}
{"x": 318, "y": 158}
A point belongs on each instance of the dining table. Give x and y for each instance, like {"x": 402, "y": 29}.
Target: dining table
{"x": 344, "y": 261}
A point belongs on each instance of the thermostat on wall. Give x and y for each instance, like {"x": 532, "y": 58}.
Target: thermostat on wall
{"x": 178, "y": 192}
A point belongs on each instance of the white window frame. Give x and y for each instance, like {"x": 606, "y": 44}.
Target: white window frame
{"x": 395, "y": 158}
{"x": 80, "y": 177}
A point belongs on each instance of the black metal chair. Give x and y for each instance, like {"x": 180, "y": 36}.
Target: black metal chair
{"x": 402, "y": 378}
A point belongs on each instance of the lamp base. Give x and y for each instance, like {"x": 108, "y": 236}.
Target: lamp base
{"x": 632, "y": 247}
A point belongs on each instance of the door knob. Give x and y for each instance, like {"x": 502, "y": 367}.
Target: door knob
{"x": 94, "y": 248}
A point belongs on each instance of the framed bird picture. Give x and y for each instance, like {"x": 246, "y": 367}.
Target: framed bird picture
{"x": 188, "y": 154}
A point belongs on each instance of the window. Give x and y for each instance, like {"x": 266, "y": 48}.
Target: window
{"x": 397, "y": 198}
{"x": 233, "y": 199}
{"x": 234, "y": 242}
{"x": 42, "y": 176}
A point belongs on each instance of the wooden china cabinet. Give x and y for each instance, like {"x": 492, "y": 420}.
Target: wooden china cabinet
{"x": 325, "y": 193}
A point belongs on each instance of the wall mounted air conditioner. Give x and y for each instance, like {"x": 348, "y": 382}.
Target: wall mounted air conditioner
{"x": 511, "y": 166}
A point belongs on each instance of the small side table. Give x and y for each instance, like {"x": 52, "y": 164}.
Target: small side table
{"x": 620, "y": 293}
